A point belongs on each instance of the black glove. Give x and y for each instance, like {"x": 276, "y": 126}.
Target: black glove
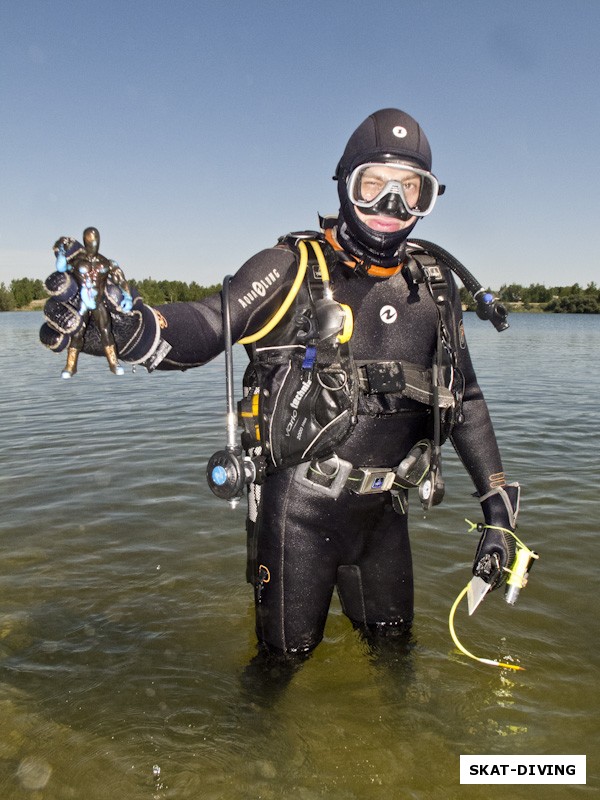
{"x": 496, "y": 549}
{"x": 136, "y": 332}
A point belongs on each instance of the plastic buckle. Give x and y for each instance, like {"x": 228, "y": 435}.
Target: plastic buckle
{"x": 340, "y": 470}
{"x": 375, "y": 480}
{"x": 384, "y": 377}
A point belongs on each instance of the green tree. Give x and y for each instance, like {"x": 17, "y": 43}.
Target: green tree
{"x": 567, "y": 291}
{"x": 7, "y": 299}
{"x": 537, "y": 293}
{"x": 25, "y": 290}
{"x": 156, "y": 293}
{"x": 197, "y": 292}
{"x": 512, "y": 293}
{"x": 574, "y": 304}
{"x": 149, "y": 290}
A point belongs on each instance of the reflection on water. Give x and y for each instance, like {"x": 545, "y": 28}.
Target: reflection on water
{"x": 126, "y": 625}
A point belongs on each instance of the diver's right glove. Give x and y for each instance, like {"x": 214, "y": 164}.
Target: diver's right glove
{"x": 496, "y": 548}
{"x": 135, "y": 325}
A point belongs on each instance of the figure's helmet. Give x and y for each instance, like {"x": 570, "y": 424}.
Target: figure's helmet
{"x": 394, "y": 138}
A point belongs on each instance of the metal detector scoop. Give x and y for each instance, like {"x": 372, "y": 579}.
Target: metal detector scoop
{"x": 476, "y": 591}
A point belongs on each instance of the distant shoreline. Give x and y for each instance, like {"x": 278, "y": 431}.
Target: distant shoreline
{"x": 35, "y": 305}
{"x": 520, "y": 308}
{"x": 513, "y": 308}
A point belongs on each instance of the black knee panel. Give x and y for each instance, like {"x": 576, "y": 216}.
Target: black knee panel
{"x": 350, "y": 591}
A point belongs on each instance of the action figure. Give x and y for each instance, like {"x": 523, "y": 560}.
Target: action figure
{"x": 91, "y": 271}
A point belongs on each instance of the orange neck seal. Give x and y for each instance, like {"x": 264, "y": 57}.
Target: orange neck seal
{"x": 354, "y": 263}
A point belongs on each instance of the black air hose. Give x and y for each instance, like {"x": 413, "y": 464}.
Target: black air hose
{"x": 488, "y": 307}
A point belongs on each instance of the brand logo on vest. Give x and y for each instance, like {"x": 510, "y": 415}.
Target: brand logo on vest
{"x": 297, "y": 399}
{"x": 259, "y": 289}
{"x": 294, "y": 405}
{"x": 400, "y": 132}
{"x": 388, "y": 314}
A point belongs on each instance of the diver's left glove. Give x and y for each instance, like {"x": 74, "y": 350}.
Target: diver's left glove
{"x": 496, "y": 548}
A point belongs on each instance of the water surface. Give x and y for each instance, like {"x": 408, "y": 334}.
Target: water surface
{"x": 125, "y": 621}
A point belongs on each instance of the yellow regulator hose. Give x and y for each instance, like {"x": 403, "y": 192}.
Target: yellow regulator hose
{"x": 278, "y": 316}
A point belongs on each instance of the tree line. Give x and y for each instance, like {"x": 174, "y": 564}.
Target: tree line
{"x": 573, "y": 299}
{"x": 21, "y": 293}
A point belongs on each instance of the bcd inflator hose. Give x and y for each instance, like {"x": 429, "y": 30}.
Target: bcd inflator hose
{"x": 488, "y": 307}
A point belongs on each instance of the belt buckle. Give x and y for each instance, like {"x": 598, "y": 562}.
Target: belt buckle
{"x": 375, "y": 480}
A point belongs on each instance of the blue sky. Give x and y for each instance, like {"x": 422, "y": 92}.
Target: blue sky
{"x": 193, "y": 134}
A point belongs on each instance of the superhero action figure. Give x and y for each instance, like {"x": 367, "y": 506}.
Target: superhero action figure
{"x": 91, "y": 272}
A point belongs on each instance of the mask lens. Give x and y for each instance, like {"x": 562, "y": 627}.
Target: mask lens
{"x": 369, "y": 184}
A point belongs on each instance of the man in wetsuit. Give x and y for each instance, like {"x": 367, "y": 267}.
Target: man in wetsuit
{"x": 305, "y": 539}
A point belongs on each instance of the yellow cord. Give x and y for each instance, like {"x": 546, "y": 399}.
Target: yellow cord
{"x": 348, "y": 328}
{"x": 464, "y": 649}
{"x": 466, "y": 589}
{"x": 321, "y": 261}
{"x": 278, "y": 316}
{"x": 498, "y": 528}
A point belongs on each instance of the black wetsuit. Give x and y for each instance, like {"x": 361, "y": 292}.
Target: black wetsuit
{"x": 305, "y": 544}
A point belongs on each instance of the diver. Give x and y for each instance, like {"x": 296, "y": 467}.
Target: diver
{"x": 358, "y": 373}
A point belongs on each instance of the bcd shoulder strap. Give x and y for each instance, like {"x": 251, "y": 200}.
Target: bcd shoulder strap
{"x": 313, "y": 268}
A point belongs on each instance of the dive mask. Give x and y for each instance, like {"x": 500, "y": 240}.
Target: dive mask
{"x": 393, "y": 189}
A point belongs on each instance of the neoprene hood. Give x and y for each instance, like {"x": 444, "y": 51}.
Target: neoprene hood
{"x": 386, "y": 135}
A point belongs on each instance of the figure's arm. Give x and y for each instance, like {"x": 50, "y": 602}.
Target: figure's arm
{"x": 117, "y": 276}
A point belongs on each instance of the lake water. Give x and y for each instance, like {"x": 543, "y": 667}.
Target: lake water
{"x": 126, "y": 623}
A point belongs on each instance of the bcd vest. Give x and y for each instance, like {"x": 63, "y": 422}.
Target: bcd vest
{"x": 303, "y": 388}
{"x": 300, "y": 388}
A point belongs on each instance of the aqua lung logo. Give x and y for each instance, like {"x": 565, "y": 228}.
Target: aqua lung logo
{"x": 400, "y": 132}
{"x": 259, "y": 289}
{"x": 388, "y": 314}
